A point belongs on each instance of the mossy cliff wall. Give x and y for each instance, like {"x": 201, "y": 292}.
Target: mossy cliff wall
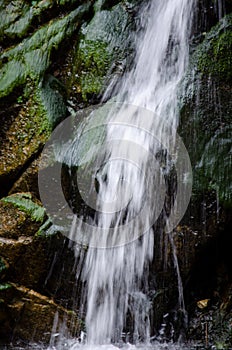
{"x": 206, "y": 129}
{"x": 58, "y": 57}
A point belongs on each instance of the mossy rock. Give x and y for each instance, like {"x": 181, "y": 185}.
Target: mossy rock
{"x": 19, "y": 17}
{"x": 206, "y": 112}
{"x": 213, "y": 56}
{"x": 28, "y": 241}
{"x": 38, "y": 110}
{"x": 87, "y": 130}
{"x": 40, "y": 99}
{"x": 20, "y": 216}
{"x": 104, "y": 44}
{"x": 24, "y": 202}
{"x": 15, "y": 17}
{"x": 24, "y": 253}
{"x": 32, "y": 56}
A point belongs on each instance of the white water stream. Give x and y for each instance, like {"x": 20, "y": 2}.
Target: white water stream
{"x": 115, "y": 278}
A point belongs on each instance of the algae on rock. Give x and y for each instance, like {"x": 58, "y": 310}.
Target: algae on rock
{"x": 42, "y": 103}
{"x": 23, "y": 135}
{"x": 205, "y": 112}
{"x": 104, "y": 44}
{"x": 32, "y": 56}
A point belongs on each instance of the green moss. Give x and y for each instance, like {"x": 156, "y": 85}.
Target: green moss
{"x": 52, "y": 98}
{"x": 206, "y": 112}
{"x": 28, "y": 132}
{"x": 47, "y": 229}
{"x": 18, "y": 16}
{"x": 214, "y": 168}
{"x": 105, "y": 40}
{"x": 43, "y": 107}
{"x": 11, "y": 13}
{"x": 39, "y": 120}
{"x": 214, "y": 56}
{"x": 31, "y": 57}
{"x": 23, "y": 201}
{"x": 96, "y": 58}
{"x": 67, "y": 2}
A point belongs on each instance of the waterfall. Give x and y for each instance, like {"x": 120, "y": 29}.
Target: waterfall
{"x": 114, "y": 269}
{"x": 114, "y": 276}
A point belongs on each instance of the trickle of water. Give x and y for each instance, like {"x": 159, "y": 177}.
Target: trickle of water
{"x": 116, "y": 278}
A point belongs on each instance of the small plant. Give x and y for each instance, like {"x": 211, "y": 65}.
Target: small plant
{"x": 20, "y": 99}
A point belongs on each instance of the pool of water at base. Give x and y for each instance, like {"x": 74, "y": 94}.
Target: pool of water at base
{"x": 71, "y": 345}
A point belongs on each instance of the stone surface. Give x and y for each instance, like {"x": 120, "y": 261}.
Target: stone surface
{"x": 28, "y": 181}
{"x": 206, "y": 130}
{"x": 32, "y": 102}
{"x": 24, "y": 132}
{"x": 103, "y": 50}
{"x": 32, "y": 56}
{"x": 50, "y": 67}
{"x": 20, "y": 216}
{"x": 205, "y": 112}
{"x": 30, "y": 315}
{"x": 25, "y": 253}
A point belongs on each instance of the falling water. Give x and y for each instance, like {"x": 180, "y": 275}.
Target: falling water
{"x": 115, "y": 273}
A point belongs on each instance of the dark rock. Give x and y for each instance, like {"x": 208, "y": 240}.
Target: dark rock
{"x": 20, "y": 216}
{"x": 205, "y": 112}
{"x": 205, "y": 127}
{"x": 28, "y": 181}
{"x": 30, "y": 316}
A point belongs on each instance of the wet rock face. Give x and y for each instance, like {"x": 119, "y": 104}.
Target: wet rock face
{"x": 205, "y": 114}
{"x": 203, "y": 236}
{"x": 36, "y": 78}
{"x": 56, "y": 56}
{"x": 33, "y": 101}
{"x": 205, "y": 127}
{"x": 27, "y": 253}
{"x": 207, "y": 14}
{"x": 103, "y": 49}
{"x": 31, "y": 315}
{"x": 26, "y": 127}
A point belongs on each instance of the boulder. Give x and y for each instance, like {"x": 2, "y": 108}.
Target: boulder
{"x": 32, "y": 316}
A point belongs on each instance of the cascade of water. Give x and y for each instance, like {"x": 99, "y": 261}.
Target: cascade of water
{"x": 116, "y": 277}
